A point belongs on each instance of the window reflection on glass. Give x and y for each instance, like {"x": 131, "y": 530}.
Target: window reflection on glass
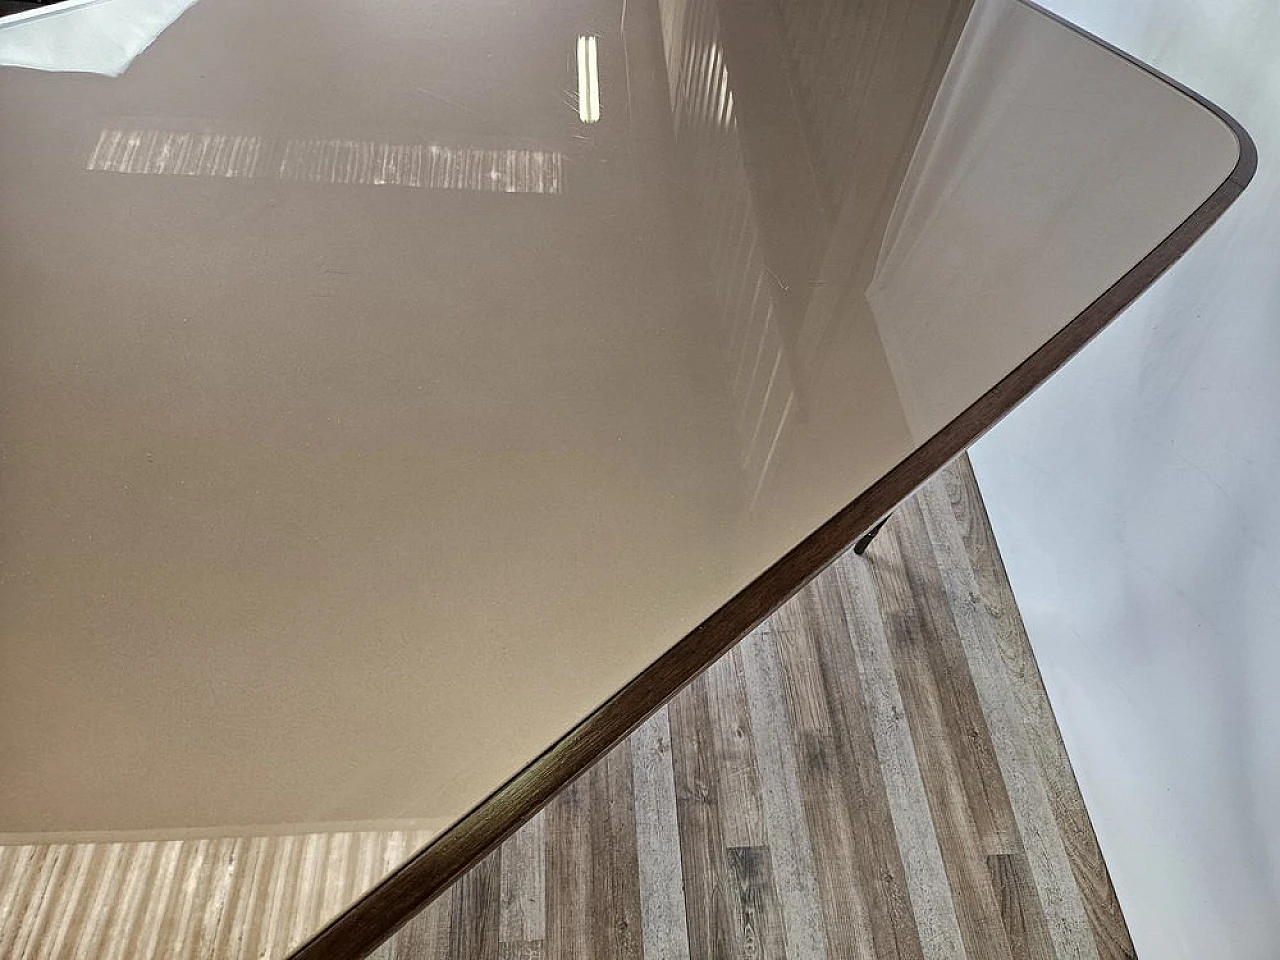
{"x": 84, "y": 36}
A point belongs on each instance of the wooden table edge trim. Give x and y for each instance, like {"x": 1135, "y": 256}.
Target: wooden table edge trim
{"x": 393, "y": 902}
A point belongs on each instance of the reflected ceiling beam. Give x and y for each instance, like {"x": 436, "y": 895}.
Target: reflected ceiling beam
{"x": 880, "y": 73}
{"x": 789, "y": 208}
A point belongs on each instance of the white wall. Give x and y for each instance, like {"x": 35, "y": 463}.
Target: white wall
{"x": 1136, "y": 499}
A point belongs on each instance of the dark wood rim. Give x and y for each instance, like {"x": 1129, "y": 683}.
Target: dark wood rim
{"x": 394, "y": 901}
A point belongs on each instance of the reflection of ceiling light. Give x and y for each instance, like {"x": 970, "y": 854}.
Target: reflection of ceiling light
{"x": 588, "y": 81}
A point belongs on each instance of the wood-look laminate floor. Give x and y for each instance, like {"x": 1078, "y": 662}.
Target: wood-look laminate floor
{"x": 873, "y": 773}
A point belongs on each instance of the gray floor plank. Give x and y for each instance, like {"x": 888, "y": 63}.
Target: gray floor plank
{"x": 949, "y": 771}
{"x": 664, "y": 925}
{"x": 789, "y": 842}
{"x": 522, "y": 917}
{"x": 913, "y": 822}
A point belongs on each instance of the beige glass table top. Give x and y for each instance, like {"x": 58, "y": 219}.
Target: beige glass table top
{"x": 382, "y": 388}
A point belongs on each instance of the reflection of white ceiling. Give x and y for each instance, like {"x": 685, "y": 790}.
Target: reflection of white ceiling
{"x": 92, "y": 36}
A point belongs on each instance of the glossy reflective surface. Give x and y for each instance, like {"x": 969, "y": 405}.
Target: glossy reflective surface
{"x": 381, "y": 393}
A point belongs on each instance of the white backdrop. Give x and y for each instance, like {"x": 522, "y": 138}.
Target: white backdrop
{"x": 1136, "y": 499}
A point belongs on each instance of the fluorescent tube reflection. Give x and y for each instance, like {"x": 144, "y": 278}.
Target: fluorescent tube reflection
{"x": 588, "y": 81}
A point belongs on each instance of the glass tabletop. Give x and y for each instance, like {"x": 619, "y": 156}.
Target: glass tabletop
{"x": 385, "y": 387}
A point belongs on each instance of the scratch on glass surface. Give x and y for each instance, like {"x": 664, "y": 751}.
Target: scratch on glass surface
{"x": 329, "y": 161}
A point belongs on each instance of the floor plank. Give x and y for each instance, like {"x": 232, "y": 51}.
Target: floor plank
{"x": 616, "y": 902}
{"x": 913, "y": 825}
{"x": 522, "y": 914}
{"x": 700, "y": 829}
{"x": 474, "y": 919}
{"x": 664, "y": 928}
{"x": 946, "y": 741}
{"x": 786, "y": 826}
{"x": 569, "y": 872}
{"x": 877, "y": 857}
{"x": 823, "y": 787}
